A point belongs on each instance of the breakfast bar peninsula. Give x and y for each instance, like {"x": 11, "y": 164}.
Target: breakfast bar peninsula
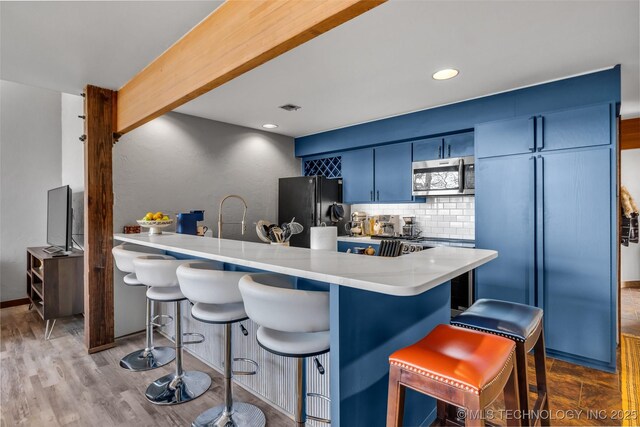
{"x": 377, "y": 305}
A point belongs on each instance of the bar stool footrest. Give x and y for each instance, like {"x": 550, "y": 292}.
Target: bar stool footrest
{"x": 161, "y": 316}
{"x": 315, "y": 418}
{"x": 199, "y": 340}
{"x": 246, "y": 360}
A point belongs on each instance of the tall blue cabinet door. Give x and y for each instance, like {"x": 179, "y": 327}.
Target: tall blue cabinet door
{"x": 427, "y": 149}
{"x": 393, "y": 173}
{"x": 505, "y": 221}
{"x": 580, "y": 127}
{"x": 357, "y": 176}
{"x": 574, "y": 252}
{"x": 460, "y": 145}
{"x": 505, "y": 137}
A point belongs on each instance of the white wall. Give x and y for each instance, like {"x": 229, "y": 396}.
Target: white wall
{"x": 72, "y": 168}
{"x": 30, "y": 163}
{"x": 177, "y": 163}
{"x": 630, "y": 174}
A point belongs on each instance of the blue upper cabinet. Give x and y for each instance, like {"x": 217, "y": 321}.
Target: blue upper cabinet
{"x": 357, "y": 176}
{"x": 393, "y": 173}
{"x": 581, "y": 127}
{"x": 505, "y": 137}
{"x": 427, "y": 149}
{"x": 505, "y": 222}
{"x": 459, "y": 145}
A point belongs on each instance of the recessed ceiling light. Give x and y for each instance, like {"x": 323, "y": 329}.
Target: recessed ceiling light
{"x": 269, "y": 126}
{"x": 447, "y": 73}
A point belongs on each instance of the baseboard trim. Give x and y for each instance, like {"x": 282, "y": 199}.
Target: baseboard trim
{"x": 101, "y": 348}
{"x": 14, "y": 303}
{"x": 631, "y": 284}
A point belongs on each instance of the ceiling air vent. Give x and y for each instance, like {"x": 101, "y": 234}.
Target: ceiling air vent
{"x": 290, "y": 107}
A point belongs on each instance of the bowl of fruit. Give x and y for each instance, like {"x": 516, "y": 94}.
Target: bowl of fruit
{"x": 155, "y": 222}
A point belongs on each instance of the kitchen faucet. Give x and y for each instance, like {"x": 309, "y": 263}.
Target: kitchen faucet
{"x": 244, "y": 214}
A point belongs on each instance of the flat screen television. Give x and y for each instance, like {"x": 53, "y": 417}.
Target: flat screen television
{"x": 59, "y": 218}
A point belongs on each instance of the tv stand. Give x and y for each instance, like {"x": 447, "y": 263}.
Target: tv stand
{"x": 55, "y": 284}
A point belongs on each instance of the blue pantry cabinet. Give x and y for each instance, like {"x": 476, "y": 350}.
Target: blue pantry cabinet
{"x": 544, "y": 201}
{"x": 357, "y": 176}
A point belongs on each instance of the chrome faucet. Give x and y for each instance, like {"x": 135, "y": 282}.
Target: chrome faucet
{"x": 244, "y": 214}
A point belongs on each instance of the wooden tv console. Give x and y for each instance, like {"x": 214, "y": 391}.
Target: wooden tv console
{"x": 55, "y": 285}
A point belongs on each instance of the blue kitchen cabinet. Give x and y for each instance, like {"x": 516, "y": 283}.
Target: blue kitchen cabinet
{"x": 459, "y": 145}
{"x": 505, "y": 137}
{"x": 357, "y": 176}
{"x": 427, "y": 149}
{"x": 505, "y": 212}
{"x": 392, "y": 173}
{"x": 574, "y": 253}
{"x": 580, "y": 127}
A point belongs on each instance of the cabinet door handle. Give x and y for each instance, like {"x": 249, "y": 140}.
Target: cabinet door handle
{"x": 532, "y": 230}
{"x": 449, "y": 150}
{"x": 532, "y": 133}
{"x": 540, "y": 133}
{"x": 540, "y": 232}
{"x": 371, "y": 197}
{"x": 440, "y": 152}
{"x": 378, "y": 195}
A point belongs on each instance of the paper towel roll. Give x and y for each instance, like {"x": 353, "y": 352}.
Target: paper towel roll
{"x": 324, "y": 238}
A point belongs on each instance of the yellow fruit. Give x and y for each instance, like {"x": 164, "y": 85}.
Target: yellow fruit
{"x": 157, "y": 216}
{"x": 165, "y": 218}
{"x": 148, "y": 217}
{"x": 159, "y": 213}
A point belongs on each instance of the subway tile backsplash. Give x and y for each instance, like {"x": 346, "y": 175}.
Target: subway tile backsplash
{"x": 448, "y": 217}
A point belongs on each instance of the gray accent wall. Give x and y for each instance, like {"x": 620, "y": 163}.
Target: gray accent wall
{"x": 177, "y": 163}
{"x": 30, "y": 163}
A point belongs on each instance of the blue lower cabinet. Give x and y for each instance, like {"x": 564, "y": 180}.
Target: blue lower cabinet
{"x": 357, "y": 176}
{"x": 575, "y": 283}
{"x": 505, "y": 221}
{"x": 343, "y": 246}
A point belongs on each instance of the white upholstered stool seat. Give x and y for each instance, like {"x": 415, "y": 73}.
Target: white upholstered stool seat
{"x": 150, "y": 357}
{"x": 298, "y": 344}
{"x": 218, "y": 300}
{"x": 181, "y": 386}
{"x": 165, "y": 294}
{"x": 293, "y": 323}
{"x": 219, "y": 313}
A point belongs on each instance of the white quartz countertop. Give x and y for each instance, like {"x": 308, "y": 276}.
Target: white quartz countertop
{"x": 406, "y": 275}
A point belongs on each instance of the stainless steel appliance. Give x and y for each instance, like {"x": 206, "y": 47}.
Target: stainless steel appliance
{"x": 309, "y": 199}
{"x": 444, "y": 177}
{"x": 410, "y": 229}
{"x": 389, "y": 225}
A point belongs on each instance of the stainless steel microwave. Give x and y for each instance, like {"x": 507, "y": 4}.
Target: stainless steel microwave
{"x": 444, "y": 177}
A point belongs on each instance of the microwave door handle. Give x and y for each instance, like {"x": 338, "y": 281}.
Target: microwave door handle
{"x": 461, "y": 176}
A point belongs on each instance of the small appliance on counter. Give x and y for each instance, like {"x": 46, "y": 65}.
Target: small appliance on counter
{"x": 356, "y": 227}
{"x": 187, "y": 223}
{"x": 388, "y": 225}
{"x": 410, "y": 229}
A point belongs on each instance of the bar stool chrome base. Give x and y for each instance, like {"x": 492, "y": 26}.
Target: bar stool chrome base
{"x": 172, "y": 389}
{"x": 144, "y": 360}
{"x": 241, "y": 415}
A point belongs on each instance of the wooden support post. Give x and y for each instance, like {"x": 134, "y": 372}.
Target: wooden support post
{"x": 100, "y": 116}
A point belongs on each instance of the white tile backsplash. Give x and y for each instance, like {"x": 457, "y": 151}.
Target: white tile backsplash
{"x": 448, "y": 217}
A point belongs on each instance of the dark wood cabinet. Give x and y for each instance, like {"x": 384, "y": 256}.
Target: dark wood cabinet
{"x": 55, "y": 284}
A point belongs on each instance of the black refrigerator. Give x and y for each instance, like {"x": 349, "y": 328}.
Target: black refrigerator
{"x": 309, "y": 199}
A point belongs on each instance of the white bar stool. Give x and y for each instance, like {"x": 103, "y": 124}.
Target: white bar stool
{"x": 181, "y": 386}
{"x": 150, "y": 357}
{"x": 218, "y": 301}
{"x": 293, "y": 323}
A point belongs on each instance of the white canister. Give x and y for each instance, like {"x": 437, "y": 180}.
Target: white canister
{"x": 324, "y": 238}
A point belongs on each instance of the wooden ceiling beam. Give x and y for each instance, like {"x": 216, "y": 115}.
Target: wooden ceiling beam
{"x": 238, "y": 36}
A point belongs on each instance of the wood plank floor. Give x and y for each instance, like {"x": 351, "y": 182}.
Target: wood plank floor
{"x": 630, "y": 311}
{"x": 56, "y": 383}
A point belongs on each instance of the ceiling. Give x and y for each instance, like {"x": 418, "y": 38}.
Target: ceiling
{"x": 377, "y": 65}
{"x": 65, "y": 45}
